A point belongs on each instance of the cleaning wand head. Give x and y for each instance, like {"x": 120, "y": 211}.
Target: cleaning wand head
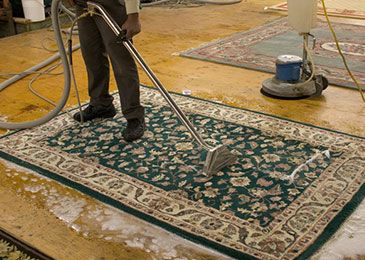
{"x": 217, "y": 157}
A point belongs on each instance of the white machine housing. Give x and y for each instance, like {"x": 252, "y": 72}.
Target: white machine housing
{"x": 302, "y": 15}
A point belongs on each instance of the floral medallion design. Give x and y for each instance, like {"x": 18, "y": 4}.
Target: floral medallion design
{"x": 347, "y": 48}
{"x": 250, "y": 208}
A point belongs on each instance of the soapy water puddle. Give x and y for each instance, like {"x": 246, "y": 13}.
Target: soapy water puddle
{"x": 95, "y": 220}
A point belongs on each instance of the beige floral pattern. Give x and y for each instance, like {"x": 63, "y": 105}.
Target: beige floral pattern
{"x": 249, "y": 207}
{"x": 11, "y": 252}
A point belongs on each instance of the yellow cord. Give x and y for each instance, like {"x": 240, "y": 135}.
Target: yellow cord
{"x": 340, "y": 51}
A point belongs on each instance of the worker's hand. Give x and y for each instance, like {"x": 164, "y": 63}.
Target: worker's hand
{"x": 132, "y": 26}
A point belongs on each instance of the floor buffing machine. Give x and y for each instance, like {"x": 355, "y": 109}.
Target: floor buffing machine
{"x": 295, "y": 76}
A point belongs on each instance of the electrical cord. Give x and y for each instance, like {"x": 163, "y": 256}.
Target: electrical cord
{"x": 39, "y": 95}
{"x": 38, "y": 76}
{"x": 311, "y": 63}
{"x": 72, "y": 72}
{"x": 15, "y": 76}
{"x": 340, "y": 51}
{"x": 47, "y": 48}
{"x": 31, "y": 89}
{"x": 67, "y": 75}
{"x": 10, "y": 74}
{"x": 71, "y": 62}
{"x": 66, "y": 72}
{"x": 68, "y": 11}
{"x": 70, "y": 15}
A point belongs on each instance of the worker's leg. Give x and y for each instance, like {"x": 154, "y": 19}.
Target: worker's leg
{"x": 124, "y": 67}
{"x": 95, "y": 58}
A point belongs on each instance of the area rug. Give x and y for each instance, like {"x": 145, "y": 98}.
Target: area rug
{"x": 341, "y": 8}
{"x": 290, "y": 189}
{"x": 12, "y": 248}
{"x": 258, "y": 49}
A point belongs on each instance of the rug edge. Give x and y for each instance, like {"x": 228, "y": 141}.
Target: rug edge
{"x": 317, "y": 244}
{"x": 216, "y": 103}
{"x": 189, "y": 53}
{"x": 262, "y": 113}
{"x": 23, "y": 246}
{"x": 341, "y": 217}
{"x": 120, "y": 206}
{"x": 336, "y": 222}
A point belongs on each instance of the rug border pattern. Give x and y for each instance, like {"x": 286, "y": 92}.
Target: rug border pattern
{"x": 331, "y": 11}
{"x": 264, "y": 64}
{"x": 340, "y": 142}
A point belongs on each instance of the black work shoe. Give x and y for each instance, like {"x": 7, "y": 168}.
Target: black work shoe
{"x": 92, "y": 112}
{"x": 135, "y": 129}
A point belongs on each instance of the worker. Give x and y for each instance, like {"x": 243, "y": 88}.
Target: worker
{"x": 98, "y": 42}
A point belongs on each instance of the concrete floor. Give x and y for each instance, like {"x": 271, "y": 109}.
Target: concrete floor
{"x": 70, "y": 225}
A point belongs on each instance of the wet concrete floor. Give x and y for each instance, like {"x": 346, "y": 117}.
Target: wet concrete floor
{"x": 67, "y": 224}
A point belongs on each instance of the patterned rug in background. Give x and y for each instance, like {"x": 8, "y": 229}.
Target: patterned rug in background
{"x": 258, "y": 49}
{"x": 12, "y": 248}
{"x": 340, "y": 8}
{"x": 249, "y": 209}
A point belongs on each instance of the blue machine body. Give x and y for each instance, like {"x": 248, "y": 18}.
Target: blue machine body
{"x": 288, "y": 68}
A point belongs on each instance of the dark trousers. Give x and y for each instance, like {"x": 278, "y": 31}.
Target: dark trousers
{"x": 98, "y": 42}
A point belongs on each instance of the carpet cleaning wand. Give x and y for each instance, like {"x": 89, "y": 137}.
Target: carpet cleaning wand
{"x": 217, "y": 157}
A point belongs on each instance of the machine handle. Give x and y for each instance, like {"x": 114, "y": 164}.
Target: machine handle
{"x": 122, "y": 37}
{"x": 133, "y": 51}
{"x": 314, "y": 40}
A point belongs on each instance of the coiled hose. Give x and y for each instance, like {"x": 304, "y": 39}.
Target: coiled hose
{"x": 66, "y": 72}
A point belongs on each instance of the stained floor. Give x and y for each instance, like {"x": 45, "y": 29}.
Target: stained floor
{"x": 69, "y": 225}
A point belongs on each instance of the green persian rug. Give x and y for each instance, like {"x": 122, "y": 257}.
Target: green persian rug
{"x": 251, "y": 209}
